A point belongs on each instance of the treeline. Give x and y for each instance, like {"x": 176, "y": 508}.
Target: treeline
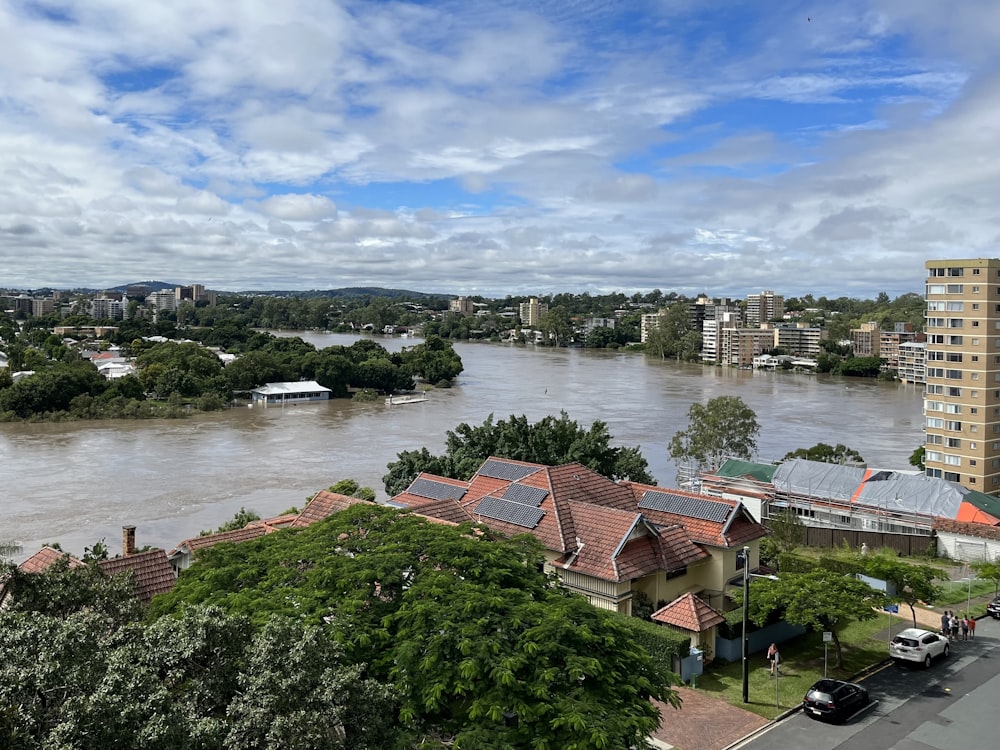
{"x": 175, "y": 375}
{"x": 371, "y": 629}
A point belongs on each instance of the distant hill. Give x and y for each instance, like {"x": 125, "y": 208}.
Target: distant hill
{"x": 352, "y": 291}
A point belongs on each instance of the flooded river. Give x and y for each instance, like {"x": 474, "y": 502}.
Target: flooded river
{"x": 78, "y": 483}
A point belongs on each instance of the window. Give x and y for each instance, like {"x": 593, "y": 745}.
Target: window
{"x": 935, "y": 288}
{"x": 975, "y": 271}
{"x": 953, "y": 460}
{"x": 935, "y": 322}
{"x": 975, "y": 305}
{"x": 935, "y": 356}
{"x": 955, "y": 306}
{"x": 954, "y": 288}
{"x": 933, "y": 306}
{"x": 935, "y": 473}
{"x": 953, "y": 442}
{"x": 955, "y": 340}
{"x": 955, "y": 322}
{"x": 937, "y": 440}
{"x": 934, "y": 406}
{"x": 953, "y": 391}
{"x": 953, "y": 408}
{"x": 972, "y": 410}
{"x": 934, "y": 423}
{"x": 937, "y": 390}
{"x": 954, "y": 426}
{"x": 938, "y": 372}
{"x": 935, "y": 338}
{"x": 953, "y": 374}
{"x": 933, "y": 456}
{"x": 952, "y": 476}
{"x": 954, "y": 356}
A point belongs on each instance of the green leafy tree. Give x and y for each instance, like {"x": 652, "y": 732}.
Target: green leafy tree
{"x": 787, "y": 533}
{"x": 913, "y": 583}
{"x": 917, "y": 457}
{"x": 351, "y": 488}
{"x": 240, "y": 520}
{"x": 435, "y": 360}
{"x": 990, "y": 570}
{"x": 723, "y": 427}
{"x": 465, "y": 627}
{"x": 831, "y": 454}
{"x": 551, "y": 441}
{"x": 820, "y": 600}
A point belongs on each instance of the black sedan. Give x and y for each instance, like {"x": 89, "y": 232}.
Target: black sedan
{"x": 993, "y": 608}
{"x": 834, "y": 700}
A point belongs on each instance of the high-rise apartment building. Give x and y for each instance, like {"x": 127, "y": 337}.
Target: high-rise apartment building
{"x": 764, "y": 307}
{"x": 531, "y": 312}
{"x": 962, "y": 373}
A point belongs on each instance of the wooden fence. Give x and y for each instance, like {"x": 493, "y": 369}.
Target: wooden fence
{"x": 905, "y": 544}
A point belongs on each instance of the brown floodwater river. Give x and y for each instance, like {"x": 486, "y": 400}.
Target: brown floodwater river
{"x": 77, "y": 483}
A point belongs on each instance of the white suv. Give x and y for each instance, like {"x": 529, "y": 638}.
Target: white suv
{"x": 914, "y": 644}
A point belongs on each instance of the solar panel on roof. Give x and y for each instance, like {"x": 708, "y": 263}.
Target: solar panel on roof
{"x": 510, "y": 512}
{"x": 682, "y": 505}
{"x": 520, "y": 493}
{"x": 436, "y": 490}
{"x": 504, "y": 470}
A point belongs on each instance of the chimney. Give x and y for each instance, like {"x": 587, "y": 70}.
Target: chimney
{"x": 128, "y": 540}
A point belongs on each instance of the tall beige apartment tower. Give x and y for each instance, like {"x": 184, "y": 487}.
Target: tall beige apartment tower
{"x": 764, "y": 307}
{"x": 962, "y": 393}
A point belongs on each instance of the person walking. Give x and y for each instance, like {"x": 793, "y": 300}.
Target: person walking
{"x": 972, "y": 627}
{"x": 965, "y": 627}
{"x": 946, "y": 624}
{"x": 772, "y": 658}
{"x": 954, "y": 627}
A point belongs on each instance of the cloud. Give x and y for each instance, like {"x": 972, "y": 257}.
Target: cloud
{"x": 509, "y": 147}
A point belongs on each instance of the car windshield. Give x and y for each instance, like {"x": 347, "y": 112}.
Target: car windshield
{"x": 818, "y": 695}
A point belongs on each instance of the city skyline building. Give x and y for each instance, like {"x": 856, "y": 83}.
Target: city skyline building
{"x": 962, "y": 372}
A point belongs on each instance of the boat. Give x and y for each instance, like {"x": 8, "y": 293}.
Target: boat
{"x": 405, "y": 398}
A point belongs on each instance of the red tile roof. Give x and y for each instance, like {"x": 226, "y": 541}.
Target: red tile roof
{"x": 45, "y": 558}
{"x": 198, "y": 543}
{"x": 151, "y": 570}
{"x": 593, "y": 523}
{"x": 689, "y": 613}
{"x": 324, "y": 504}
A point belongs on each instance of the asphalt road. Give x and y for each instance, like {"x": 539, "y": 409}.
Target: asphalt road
{"x": 951, "y": 706}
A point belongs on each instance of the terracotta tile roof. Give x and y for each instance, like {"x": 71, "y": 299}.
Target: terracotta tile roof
{"x": 198, "y": 543}
{"x": 980, "y": 530}
{"x": 689, "y": 613}
{"x": 45, "y": 558}
{"x": 738, "y": 528}
{"x": 151, "y": 570}
{"x": 276, "y": 522}
{"x": 592, "y": 522}
{"x": 324, "y": 504}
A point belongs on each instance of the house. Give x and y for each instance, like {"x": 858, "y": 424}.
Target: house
{"x": 282, "y": 394}
{"x": 152, "y": 573}
{"x": 695, "y": 616}
{"x": 611, "y": 542}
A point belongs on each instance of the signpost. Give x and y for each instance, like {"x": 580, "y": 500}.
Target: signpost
{"x": 827, "y": 637}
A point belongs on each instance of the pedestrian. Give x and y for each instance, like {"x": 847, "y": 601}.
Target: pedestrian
{"x": 972, "y": 627}
{"x": 954, "y": 627}
{"x": 965, "y": 627}
{"x": 864, "y": 549}
{"x": 946, "y": 624}
{"x": 772, "y": 658}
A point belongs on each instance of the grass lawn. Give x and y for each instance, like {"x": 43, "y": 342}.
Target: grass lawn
{"x": 864, "y": 644}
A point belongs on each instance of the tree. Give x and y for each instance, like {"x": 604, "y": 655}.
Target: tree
{"x": 917, "y": 457}
{"x": 721, "y": 428}
{"x": 465, "y": 627}
{"x": 820, "y": 600}
{"x": 913, "y": 583}
{"x": 551, "y": 441}
{"x": 787, "y": 531}
{"x": 434, "y": 360}
{"x": 990, "y": 570}
{"x": 240, "y": 520}
{"x": 837, "y": 454}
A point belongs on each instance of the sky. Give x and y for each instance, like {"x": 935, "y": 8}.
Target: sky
{"x": 503, "y": 147}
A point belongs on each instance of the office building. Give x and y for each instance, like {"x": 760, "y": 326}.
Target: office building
{"x": 962, "y": 373}
{"x": 764, "y": 307}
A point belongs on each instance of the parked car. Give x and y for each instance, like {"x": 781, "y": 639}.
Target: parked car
{"x": 834, "y": 700}
{"x": 922, "y": 646}
{"x": 993, "y": 608}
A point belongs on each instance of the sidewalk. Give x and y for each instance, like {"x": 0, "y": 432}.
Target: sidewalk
{"x": 703, "y": 723}
{"x": 707, "y": 723}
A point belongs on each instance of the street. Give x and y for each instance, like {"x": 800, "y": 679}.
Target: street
{"x": 950, "y": 706}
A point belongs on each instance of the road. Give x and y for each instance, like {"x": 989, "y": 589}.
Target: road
{"x": 951, "y": 706}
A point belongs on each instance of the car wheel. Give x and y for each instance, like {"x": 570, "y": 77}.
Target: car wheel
{"x": 927, "y": 660}
{"x": 947, "y": 649}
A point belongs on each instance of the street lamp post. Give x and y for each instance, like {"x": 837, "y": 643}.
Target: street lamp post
{"x": 746, "y": 624}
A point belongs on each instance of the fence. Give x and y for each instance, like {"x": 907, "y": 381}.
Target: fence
{"x": 905, "y": 544}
